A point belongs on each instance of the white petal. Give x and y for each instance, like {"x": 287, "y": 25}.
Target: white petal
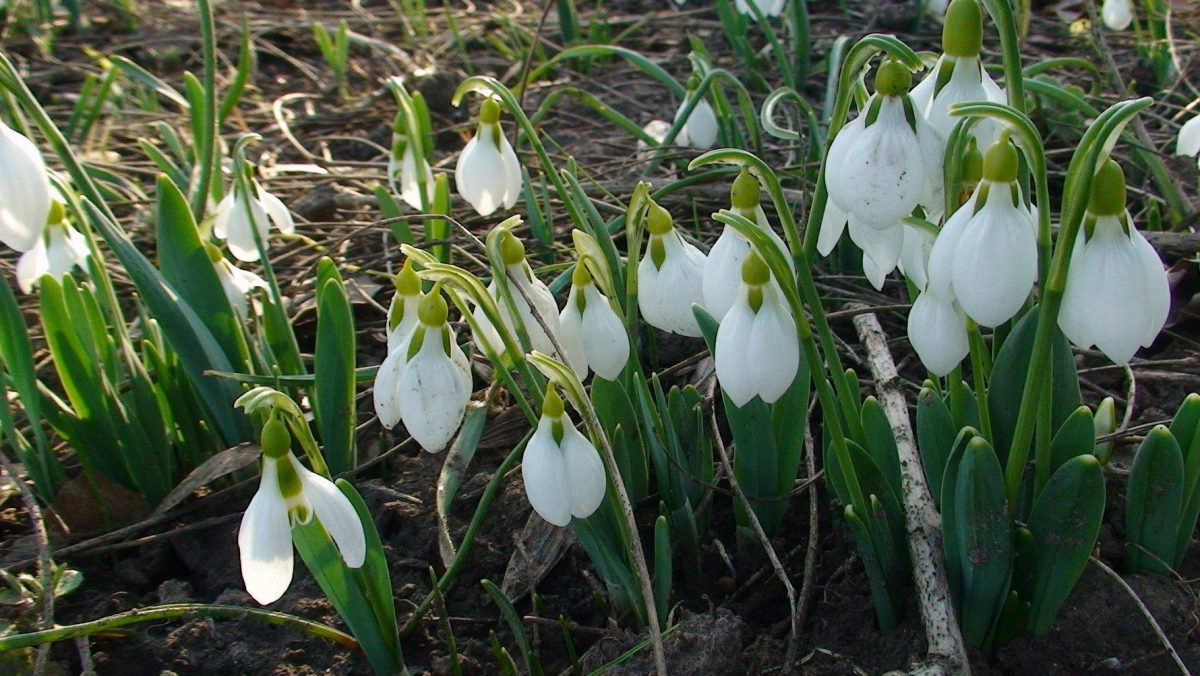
{"x": 387, "y": 385}
{"x": 480, "y": 174}
{"x": 604, "y": 339}
{"x": 734, "y": 353}
{"x": 278, "y": 212}
{"x": 240, "y": 232}
{"x": 1189, "y": 138}
{"x": 335, "y": 512}
{"x": 570, "y": 334}
{"x": 1117, "y": 14}
{"x": 221, "y": 215}
{"x": 666, "y": 295}
{"x": 723, "y": 272}
{"x": 833, "y": 222}
{"x": 407, "y": 307}
{"x": 543, "y": 470}
{"x": 513, "y": 180}
{"x": 545, "y": 306}
{"x": 941, "y": 255}
{"x": 914, "y": 255}
{"x": 995, "y": 262}
{"x": 431, "y": 398}
{"x": 65, "y": 250}
{"x": 700, "y": 131}
{"x": 773, "y": 349}
{"x": 882, "y": 246}
{"x": 487, "y": 338}
{"x": 1156, "y": 293}
{"x": 938, "y": 333}
{"x": 874, "y": 274}
{"x": 265, "y": 540}
{"x": 966, "y": 84}
{"x": 32, "y": 265}
{"x": 584, "y": 472}
{"x": 410, "y": 188}
{"x": 24, "y": 191}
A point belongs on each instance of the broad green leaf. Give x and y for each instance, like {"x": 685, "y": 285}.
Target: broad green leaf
{"x": 935, "y": 438}
{"x": 1183, "y": 428}
{"x": 983, "y": 540}
{"x": 334, "y": 371}
{"x": 1076, "y": 436}
{"x": 1154, "y": 503}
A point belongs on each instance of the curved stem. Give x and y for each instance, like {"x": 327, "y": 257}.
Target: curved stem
{"x": 173, "y": 610}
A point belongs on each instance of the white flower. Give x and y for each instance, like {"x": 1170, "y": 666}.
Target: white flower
{"x": 881, "y": 166}
{"x": 938, "y": 333}
{"x": 992, "y": 255}
{"x": 1117, "y": 14}
{"x": 723, "y": 266}
{"x": 522, "y": 283}
{"x": 24, "y": 191}
{"x": 590, "y": 331}
{"x": 757, "y": 349}
{"x": 914, "y": 254}
{"x": 700, "y": 130}
{"x": 238, "y": 284}
{"x": 881, "y": 249}
{"x": 289, "y": 495}
{"x": 1188, "y": 142}
{"x": 426, "y": 381}
{"x": 1117, "y": 296}
{"x": 402, "y": 313}
{"x": 670, "y": 277}
{"x": 959, "y": 75}
{"x": 60, "y": 249}
{"x": 488, "y": 174}
{"x": 403, "y": 173}
{"x": 232, "y": 220}
{"x": 767, "y": 8}
{"x": 562, "y": 472}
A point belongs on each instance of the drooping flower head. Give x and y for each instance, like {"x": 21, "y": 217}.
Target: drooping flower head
{"x": 236, "y": 282}
{"x": 700, "y": 130}
{"x": 524, "y": 288}
{"x": 590, "y": 330}
{"x": 1188, "y": 142}
{"x": 402, "y": 313}
{"x": 426, "y": 380}
{"x": 723, "y": 266}
{"x": 959, "y": 75}
{"x": 881, "y": 166}
{"x": 291, "y": 495}
{"x": 561, "y": 469}
{"x": 488, "y": 174}
{"x": 757, "y": 348}
{"x": 413, "y": 183}
{"x": 238, "y": 216}
{"x": 60, "y": 248}
{"x": 670, "y": 277}
{"x": 1117, "y": 14}
{"x": 24, "y": 191}
{"x": 1117, "y": 296}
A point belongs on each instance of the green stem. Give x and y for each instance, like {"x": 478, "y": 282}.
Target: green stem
{"x": 173, "y": 610}
{"x": 207, "y": 143}
{"x": 1010, "y": 46}
{"x": 980, "y": 370}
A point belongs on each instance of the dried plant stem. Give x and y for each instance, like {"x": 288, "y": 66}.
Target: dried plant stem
{"x": 794, "y": 634}
{"x": 45, "y": 566}
{"x": 947, "y": 654}
{"x": 1162, "y": 636}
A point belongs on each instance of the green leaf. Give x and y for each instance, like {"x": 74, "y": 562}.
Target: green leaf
{"x": 1008, "y": 381}
{"x": 949, "y": 510}
{"x": 1065, "y": 522}
{"x": 983, "y": 540}
{"x": 662, "y": 568}
{"x": 1154, "y": 503}
{"x": 458, "y": 459}
{"x": 390, "y": 211}
{"x": 935, "y": 438}
{"x": 880, "y": 442}
{"x": 1183, "y": 428}
{"x": 513, "y": 620}
{"x": 186, "y": 267}
{"x": 334, "y": 371}
{"x": 1077, "y": 436}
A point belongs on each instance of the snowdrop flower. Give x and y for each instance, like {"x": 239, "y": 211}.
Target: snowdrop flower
{"x": 488, "y": 175}
{"x": 24, "y": 191}
{"x": 757, "y": 349}
{"x": 512, "y": 251}
{"x": 402, "y": 313}
{"x": 590, "y": 330}
{"x": 561, "y": 469}
{"x": 404, "y": 176}
{"x": 991, "y": 251}
{"x": 936, "y": 325}
{"x": 723, "y": 266}
{"x": 426, "y": 381}
{"x": 670, "y": 277}
{"x": 700, "y": 130}
{"x": 881, "y": 166}
{"x": 766, "y": 8}
{"x": 236, "y": 282}
{"x": 290, "y": 495}
{"x": 1188, "y": 143}
{"x": 1117, "y": 14}
{"x": 59, "y": 249}
{"x": 959, "y": 76}
{"x": 914, "y": 254}
{"x": 1117, "y": 297}
{"x": 234, "y": 214}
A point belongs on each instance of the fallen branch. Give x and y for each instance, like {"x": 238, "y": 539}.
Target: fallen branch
{"x": 946, "y": 654}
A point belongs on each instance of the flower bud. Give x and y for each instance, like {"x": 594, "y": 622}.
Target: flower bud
{"x": 1105, "y": 424}
{"x": 1000, "y": 164}
{"x": 512, "y": 250}
{"x": 432, "y": 309}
